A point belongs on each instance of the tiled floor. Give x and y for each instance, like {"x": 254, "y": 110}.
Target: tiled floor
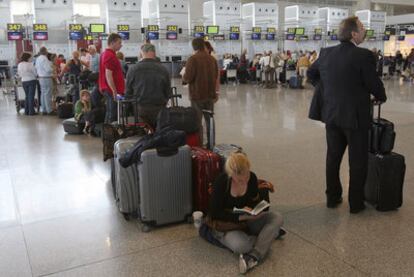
{"x": 58, "y": 218}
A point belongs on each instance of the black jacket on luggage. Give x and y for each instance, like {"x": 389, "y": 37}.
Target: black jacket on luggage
{"x": 348, "y": 75}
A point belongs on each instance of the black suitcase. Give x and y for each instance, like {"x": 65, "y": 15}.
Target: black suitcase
{"x": 282, "y": 77}
{"x": 385, "y": 179}
{"x": 72, "y": 127}
{"x": 65, "y": 110}
{"x": 382, "y": 134}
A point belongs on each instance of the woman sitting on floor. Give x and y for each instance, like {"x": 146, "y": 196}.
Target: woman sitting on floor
{"x": 85, "y": 114}
{"x": 247, "y": 235}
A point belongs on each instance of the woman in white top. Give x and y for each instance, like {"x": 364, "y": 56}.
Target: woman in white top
{"x": 27, "y": 72}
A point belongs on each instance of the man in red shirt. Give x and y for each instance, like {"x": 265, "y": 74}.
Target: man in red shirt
{"x": 111, "y": 78}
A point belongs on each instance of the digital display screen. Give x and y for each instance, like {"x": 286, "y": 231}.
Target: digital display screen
{"x": 369, "y": 33}
{"x": 234, "y": 36}
{"x": 75, "y": 35}
{"x": 387, "y": 32}
{"x": 12, "y": 27}
{"x": 234, "y": 29}
{"x": 334, "y": 37}
{"x": 317, "y": 37}
{"x": 212, "y": 29}
{"x": 300, "y": 31}
{"x": 271, "y": 30}
{"x": 256, "y": 30}
{"x": 401, "y": 38}
{"x": 198, "y": 35}
{"x": 386, "y": 38}
{"x": 97, "y": 28}
{"x": 256, "y": 36}
{"x": 333, "y": 32}
{"x": 290, "y": 37}
{"x": 75, "y": 27}
{"x": 14, "y": 35}
{"x": 291, "y": 30}
{"x": 172, "y": 28}
{"x": 153, "y": 35}
{"x": 124, "y": 35}
{"x": 123, "y": 28}
{"x": 40, "y": 36}
{"x": 270, "y": 36}
{"x": 88, "y": 37}
{"x": 318, "y": 31}
{"x": 171, "y": 35}
{"x": 199, "y": 29}
{"x": 39, "y": 27}
{"x": 153, "y": 28}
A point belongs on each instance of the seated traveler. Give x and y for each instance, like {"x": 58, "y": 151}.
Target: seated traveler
{"x": 148, "y": 82}
{"x": 85, "y": 114}
{"x": 252, "y": 236}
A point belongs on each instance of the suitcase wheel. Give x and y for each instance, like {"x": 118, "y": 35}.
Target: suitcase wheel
{"x": 126, "y": 216}
{"x": 146, "y": 228}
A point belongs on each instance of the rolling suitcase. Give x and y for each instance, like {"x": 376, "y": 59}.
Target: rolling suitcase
{"x": 165, "y": 187}
{"x": 206, "y": 167}
{"x": 385, "y": 179}
{"x": 295, "y": 82}
{"x": 225, "y": 150}
{"x": 126, "y": 182}
{"x": 65, "y": 110}
{"x": 72, "y": 127}
{"x": 382, "y": 134}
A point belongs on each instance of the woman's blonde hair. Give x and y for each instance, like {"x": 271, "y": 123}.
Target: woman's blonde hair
{"x": 83, "y": 92}
{"x": 237, "y": 164}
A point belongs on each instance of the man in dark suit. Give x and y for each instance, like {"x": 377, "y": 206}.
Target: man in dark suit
{"x": 346, "y": 77}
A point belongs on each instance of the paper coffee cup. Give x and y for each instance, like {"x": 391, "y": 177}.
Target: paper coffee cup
{"x": 197, "y": 218}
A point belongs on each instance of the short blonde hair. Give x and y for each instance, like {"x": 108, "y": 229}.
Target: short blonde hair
{"x": 83, "y": 92}
{"x": 237, "y": 164}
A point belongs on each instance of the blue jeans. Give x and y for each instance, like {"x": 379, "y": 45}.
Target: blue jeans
{"x": 46, "y": 86}
{"x": 111, "y": 108}
{"x": 30, "y": 91}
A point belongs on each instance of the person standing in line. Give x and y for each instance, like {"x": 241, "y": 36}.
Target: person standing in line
{"x": 27, "y": 72}
{"x": 94, "y": 59}
{"x": 347, "y": 78}
{"x": 201, "y": 73}
{"x": 111, "y": 77}
{"x": 45, "y": 72}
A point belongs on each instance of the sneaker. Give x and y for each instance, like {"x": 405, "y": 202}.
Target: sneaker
{"x": 246, "y": 262}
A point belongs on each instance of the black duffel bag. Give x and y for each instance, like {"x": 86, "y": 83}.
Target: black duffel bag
{"x": 65, "y": 110}
{"x": 179, "y": 118}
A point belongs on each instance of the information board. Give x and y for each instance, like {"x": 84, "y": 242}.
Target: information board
{"x": 123, "y": 28}
{"x": 14, "y": 27}
{"x": 39, "y": 27}
{"x": 75, "y": 27}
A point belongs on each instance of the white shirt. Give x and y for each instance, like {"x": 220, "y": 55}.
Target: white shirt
{"x": 26, "y": 71}
{"x": 44, "y": 66}
{"x": 86, "y": 59}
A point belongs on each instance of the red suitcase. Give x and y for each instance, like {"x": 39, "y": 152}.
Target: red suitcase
{"x": 206, "y": 168}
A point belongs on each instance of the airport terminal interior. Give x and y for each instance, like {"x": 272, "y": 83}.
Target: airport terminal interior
{"x": 58, "y": 213}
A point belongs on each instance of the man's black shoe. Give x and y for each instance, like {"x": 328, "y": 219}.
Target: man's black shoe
{"x": 282, "y": 232}
{"x": 334, "y": 203}
{"x": 357, "y": 210}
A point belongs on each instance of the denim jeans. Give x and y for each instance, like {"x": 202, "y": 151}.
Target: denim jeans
{"x": 30, "y": 91}
{"x": 111, "y": 108}
{"x": 46, "y": 85}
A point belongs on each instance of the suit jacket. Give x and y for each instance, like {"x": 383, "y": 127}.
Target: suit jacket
{"x": 347, "y": 77}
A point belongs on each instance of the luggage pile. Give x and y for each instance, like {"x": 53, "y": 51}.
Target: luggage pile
{"x": 169, "y": 178}
{"x": 386, "y": 169}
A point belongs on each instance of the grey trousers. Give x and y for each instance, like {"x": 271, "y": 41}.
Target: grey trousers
{"x": 201, "y": 105}
{"x": 263, "y": 233}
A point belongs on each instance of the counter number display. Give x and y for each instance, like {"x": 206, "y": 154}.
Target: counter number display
{"x": 153, "y": 28}
{"x": 256, "y": 30}
{"x": 172, "y": 28}
{"x": 75, "y": 27}
{"x": 14, "y": 27}
{"x": 199, "y": 29}
{"x": 39, "y": 27}
{"x": 271, "y": 30}
{"x": 235, "y": 29}
{"x": 123, "y": 28}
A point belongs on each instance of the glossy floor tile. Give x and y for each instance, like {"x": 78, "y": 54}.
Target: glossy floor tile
{"x": 58, "y": 217}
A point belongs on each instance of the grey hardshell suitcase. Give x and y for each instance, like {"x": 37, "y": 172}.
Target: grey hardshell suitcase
{"x": 126, "y": 182}
{"x": 165, "y": 187}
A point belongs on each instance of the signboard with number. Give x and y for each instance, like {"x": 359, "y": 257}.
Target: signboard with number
{"x": 153, "y": 28}
{"x": 172, "y": 28}
{"x": 235, "y": 29}
{"x": 199, "y": 29}
{"x": 88, "y": 37}
{"x": 75, "y": 27}
{"x": 256, "y": 29}
{"x": 291, "y": 30}
{"x": 123, "y": 28}
{"x": 271, "y": 30}
{"x": 318, "y": 31}
{"x": 39, "y": 27}
{"x": 14, "y": 27}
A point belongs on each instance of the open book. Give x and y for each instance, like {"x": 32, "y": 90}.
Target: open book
{"x": 257, "y": 210}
